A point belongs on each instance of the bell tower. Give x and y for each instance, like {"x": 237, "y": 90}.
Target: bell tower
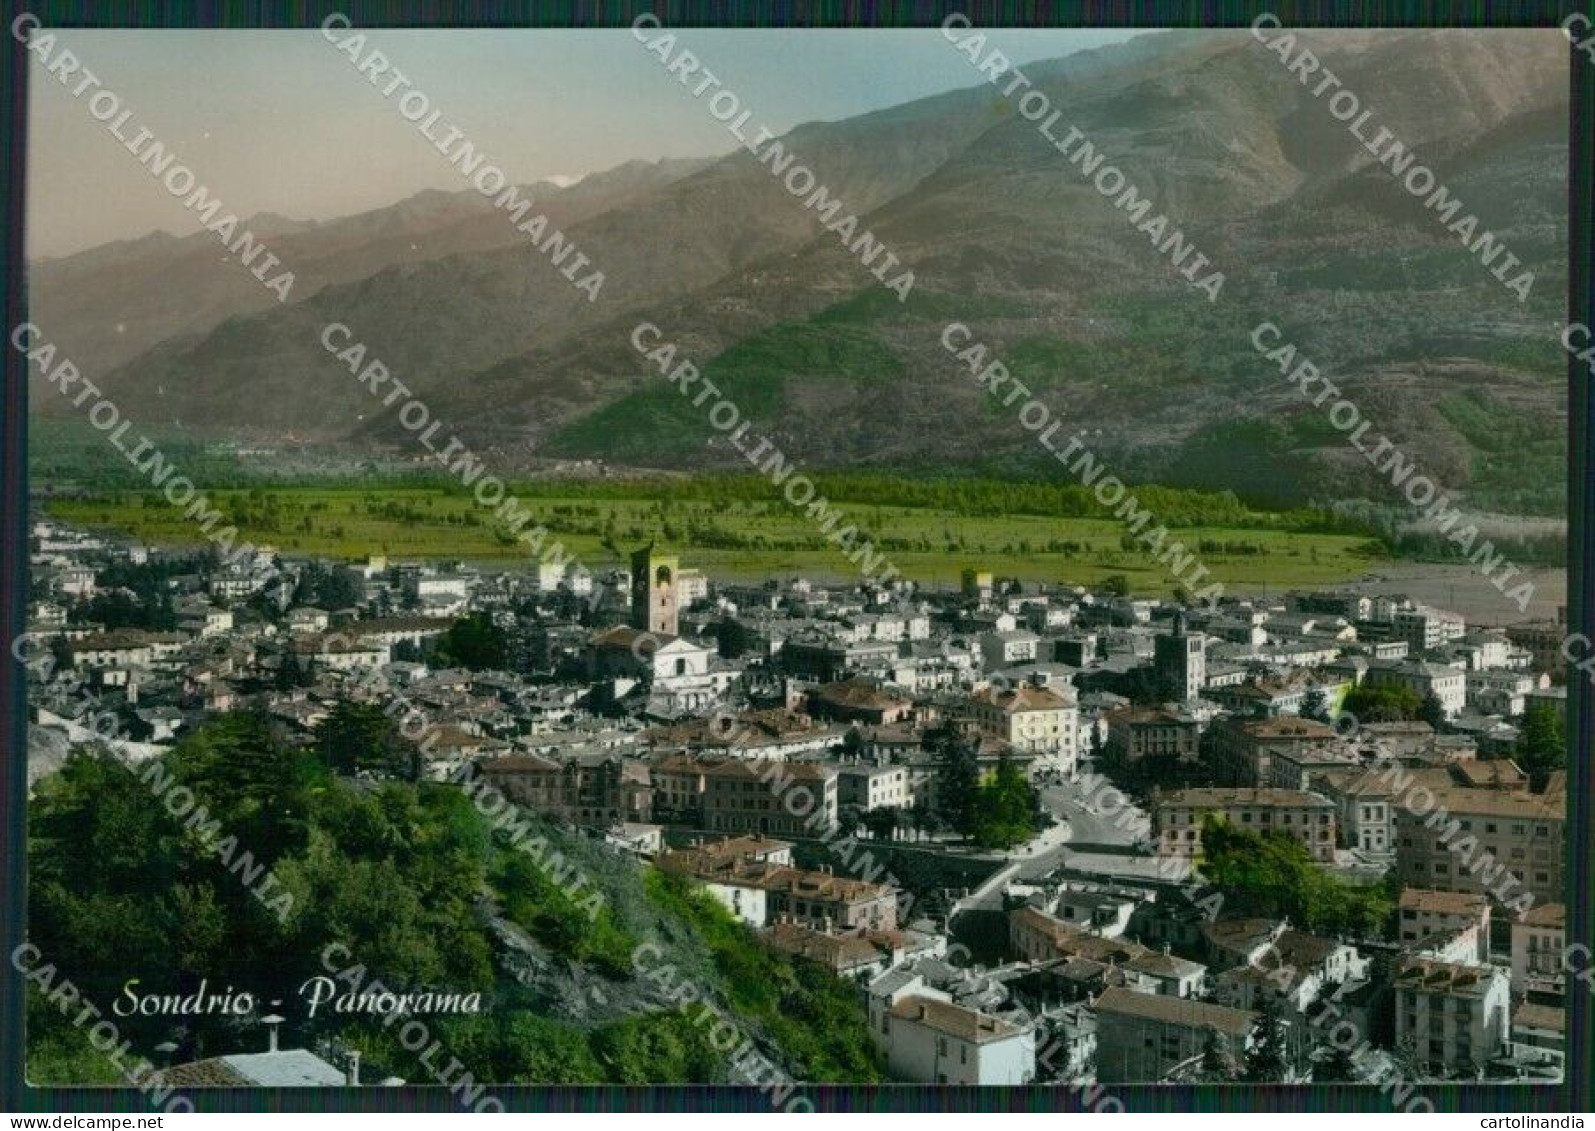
{"x": 654, "y": 605}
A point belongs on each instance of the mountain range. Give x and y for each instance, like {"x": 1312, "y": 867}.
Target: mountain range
{"x": 1001, "y": 232}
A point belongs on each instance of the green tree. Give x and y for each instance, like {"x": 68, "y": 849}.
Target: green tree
{"x": 361, "y": 736}
{"x": 1267, "y": 1057}
{"x": 289, "y": 672}
{"x": 60, "y": 654}
{"x": 1271, "y": 874}
{"x": 928, "y": 821}
{"x": 732, "y": 637}
{"x": 1004, "y": 808}
{"x": 1385, "y": 704}
{"x": 1432, "y": 711}
{"x": 329, "y": 587}
{"x": 882, "y": 823}
{"x": 1218, "y": 1065}
{"x": 474, "y": 642}
{"x": 957, "y": 779}
{"x": 1542, "y": 746}
{"x": 260, "y": 785}
{"x": 1337, "y": 1066}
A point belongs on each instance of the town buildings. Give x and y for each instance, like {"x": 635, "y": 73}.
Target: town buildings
{"x": 784, "y": 746}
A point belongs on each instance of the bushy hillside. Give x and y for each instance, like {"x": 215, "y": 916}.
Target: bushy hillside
{"x": 410, "y": 883}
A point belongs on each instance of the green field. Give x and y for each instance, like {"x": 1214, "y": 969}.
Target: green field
{"x": 734, "y": 532}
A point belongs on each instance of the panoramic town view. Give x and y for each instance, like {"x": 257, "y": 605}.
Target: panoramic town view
{"x": 955, "y": 617}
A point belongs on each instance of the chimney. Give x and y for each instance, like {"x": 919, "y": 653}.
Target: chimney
{"x": 271, "y": 1021}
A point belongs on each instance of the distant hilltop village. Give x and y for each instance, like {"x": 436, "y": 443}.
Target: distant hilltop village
{"x": 859, "y": 772}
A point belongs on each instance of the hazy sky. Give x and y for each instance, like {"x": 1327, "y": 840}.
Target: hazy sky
{"x": 279, "y": 121}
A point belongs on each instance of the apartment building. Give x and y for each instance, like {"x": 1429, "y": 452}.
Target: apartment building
{"x": 1036, "y": 936}
{"x": 1539, "y": 951}
{"x": 754, "y": 878}
{"x": 1177, "y": 817}
{"x": 1456, "y": 1016}
{"x": 827, "y": 901}
{"x": 729, "y": 870}
{"x": 1426, "y": 917}
{"x": 1242, "y": 750}
{"x": 1423, "y": 627}
{"x": 679, "y": 783}
{"x": 1302, "y": 767}
{"x": 786, "y": 799}
{"x": 593, "y": 789}
{"x": 1539, "y": 1033}
{"x": 1447, "y": 684}
{"x": 1140, "y": 1037}
{"x": 1135, "y": 733}
{"x": 1480, "y": 840}
{"x": 1043, "y": 721}
{"x": 1364, "y": 814}
{"x": 874, "y": 787}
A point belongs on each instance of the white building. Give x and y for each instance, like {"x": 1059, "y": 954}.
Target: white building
{"x": 874, "y": 787}
{"x": 1449, "y": 685}
{"x": 692, "y": 586}
{"x": 937, "y": 1042}
{"x": 1364, "y": 803}
{"x": 75, "y": 581}
{"x": 1539, "y": 950}
{"x": 1498, "y": 691}
{"x": 1039, "y": 720}
{"x": 331, "y": 653}
{"x": 438, "y": 586}
{"x": 1455, "y": 1015}
{"x": 308, "y": 618}
{"x": 205, "y": 620}
{"x": 889, "y": 988}
{"x": 1003, "y": 648}
{"x": 1429, "y": 918}
{"x": 1423, "y": 627}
